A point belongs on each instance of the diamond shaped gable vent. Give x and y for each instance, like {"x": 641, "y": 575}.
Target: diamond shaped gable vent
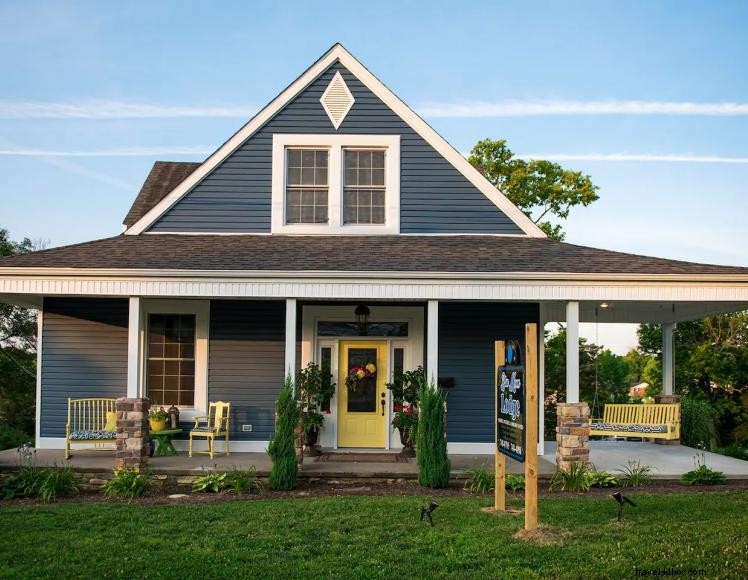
{"x": 337, "y": 100}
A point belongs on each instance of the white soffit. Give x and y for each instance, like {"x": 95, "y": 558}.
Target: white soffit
{"x": 337, "y": 100}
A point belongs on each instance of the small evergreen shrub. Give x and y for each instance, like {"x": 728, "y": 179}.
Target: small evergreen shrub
{"x": 127, "y": 483}
{"x": 282, "y": 448}
{"x": 431, "y": 441}
{"x": 634, "y": 474}
{"x": 243, "y": 481}
{"x": 734, "y": 450}
{"x": 11, "y": 438}
{"x": 214, "y": 482}
{"x": 698, "y": 423}
{"x": 574, "y": 478}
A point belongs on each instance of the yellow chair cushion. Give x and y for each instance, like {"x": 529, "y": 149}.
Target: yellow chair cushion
{"x": 111, "y": 421}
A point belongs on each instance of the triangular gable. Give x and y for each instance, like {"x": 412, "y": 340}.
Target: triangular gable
{"x": 358, "y": 73}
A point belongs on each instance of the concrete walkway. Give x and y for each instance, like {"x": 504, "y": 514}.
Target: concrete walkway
{"x": 668, "y": 461}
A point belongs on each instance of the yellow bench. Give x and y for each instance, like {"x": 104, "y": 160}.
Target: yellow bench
{"x": 90, "y": 422}
{"x": 655, "y": 421}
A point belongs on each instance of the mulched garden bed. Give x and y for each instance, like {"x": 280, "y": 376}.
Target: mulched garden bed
{"x": 313, "y": 487}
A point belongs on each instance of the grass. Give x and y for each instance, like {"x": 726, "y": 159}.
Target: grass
{"x": 373, "y": 537}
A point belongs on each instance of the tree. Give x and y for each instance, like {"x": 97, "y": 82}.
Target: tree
{"x": 17, "y": 325}
{"x": 282, "y": 448}
{"x": 541, "y": 189}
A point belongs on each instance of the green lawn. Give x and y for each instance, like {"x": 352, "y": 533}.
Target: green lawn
{"x": 365, "y": 537}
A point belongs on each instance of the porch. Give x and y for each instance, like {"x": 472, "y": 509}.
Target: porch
{"x": 668, "y": 462}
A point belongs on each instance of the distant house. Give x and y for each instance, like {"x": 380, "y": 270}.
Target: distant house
{"x": 233, "y": 272}
{"x": 639, "y": 390}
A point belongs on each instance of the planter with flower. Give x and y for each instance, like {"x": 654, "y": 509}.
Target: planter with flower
{"x": 314, "y": 389}
{"x": 157, "y": 419}
{"x": 405, "y": 388}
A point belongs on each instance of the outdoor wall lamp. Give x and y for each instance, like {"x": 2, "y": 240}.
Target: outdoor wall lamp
{"x": 362, "y": 319}
{"x": 604, "y": 305}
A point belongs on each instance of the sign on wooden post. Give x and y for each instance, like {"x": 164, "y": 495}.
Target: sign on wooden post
{"x": 516, "y": 427}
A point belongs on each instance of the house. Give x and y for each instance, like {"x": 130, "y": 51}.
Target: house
{"x": 335, "y": 197}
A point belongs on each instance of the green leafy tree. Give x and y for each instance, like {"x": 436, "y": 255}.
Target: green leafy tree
{"x": 543, "y": 190}
{"x": 282, "y": 448}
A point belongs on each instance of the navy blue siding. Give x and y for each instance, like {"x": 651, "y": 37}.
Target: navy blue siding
{"x": 467, "y": 332}
{"x": 84, "y": 354}
{"x": 434, "y": 196}
{"x": 246, "y": 360}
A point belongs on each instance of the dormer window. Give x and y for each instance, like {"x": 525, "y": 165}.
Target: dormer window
{"x": 333, "y": 184}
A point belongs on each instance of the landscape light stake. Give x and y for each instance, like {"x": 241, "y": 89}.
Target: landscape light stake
{"x": 622, "y": 500}
{"x": 427, "y": 511}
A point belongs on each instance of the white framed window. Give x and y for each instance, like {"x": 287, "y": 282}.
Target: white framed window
{"x": 175, "y": 354}
{"x": 335, "y": 184}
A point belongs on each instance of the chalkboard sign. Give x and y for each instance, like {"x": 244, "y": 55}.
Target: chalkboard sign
{"x": 510, "y": 405}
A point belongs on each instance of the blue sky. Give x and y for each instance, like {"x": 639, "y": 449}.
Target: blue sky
{"x": 650, "y": 98}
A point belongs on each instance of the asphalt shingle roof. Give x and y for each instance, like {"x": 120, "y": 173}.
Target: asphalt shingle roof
{"x": 164, "y": 176}
{"x": 353, "y": 253}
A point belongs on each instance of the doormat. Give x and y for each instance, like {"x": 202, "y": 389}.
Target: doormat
{"x": 363, "y": 458}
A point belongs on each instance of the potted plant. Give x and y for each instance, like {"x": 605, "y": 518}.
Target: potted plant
{"x": 405, "y": 388}
{"x": 157, "y": 419}
{"x": 314, "y": 388}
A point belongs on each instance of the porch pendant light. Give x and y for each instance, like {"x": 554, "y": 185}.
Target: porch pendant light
{"x": 362, "y": 319}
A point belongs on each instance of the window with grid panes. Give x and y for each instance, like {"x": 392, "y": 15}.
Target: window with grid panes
{"x": 307, "y": 186}
{"x": 363, "y": 186}
{"x": 171, "y": 359}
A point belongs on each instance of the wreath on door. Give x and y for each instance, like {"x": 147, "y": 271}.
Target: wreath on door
{"x": 357, "y": 377}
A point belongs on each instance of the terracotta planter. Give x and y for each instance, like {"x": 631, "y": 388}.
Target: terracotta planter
{"x": 157, "y": 424}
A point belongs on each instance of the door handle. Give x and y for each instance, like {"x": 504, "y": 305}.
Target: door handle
{"x": 383, "y": 405}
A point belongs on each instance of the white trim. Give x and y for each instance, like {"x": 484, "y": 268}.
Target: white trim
{"x": 201, "y": 310}
{"x": 39, "y": 340}
{"x": 50, "y": 443}
{"x": 667, "y": 358}
{"x": 455, "y": 448}
{"x": 135, "y": 342}
{"x": 338, "y": 53}
{"x": 237, "y": 446}
{"x": 541, "y": 379}
{"x": 290, "y": 351}
{"x": 572, "y": 352}
{"x": 337, "y": 79}
{"x": 432, "y": 342}
{"x": 335, "y": 144}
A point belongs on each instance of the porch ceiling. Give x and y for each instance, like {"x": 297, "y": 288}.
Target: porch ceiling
{"x": 637, "y": 312}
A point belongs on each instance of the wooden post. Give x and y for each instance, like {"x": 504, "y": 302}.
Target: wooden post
{"x": 531, "y": 427}
{"x": 499, "y": 460}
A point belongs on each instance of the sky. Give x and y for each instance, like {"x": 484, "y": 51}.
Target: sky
{"x": 649, "y": 98}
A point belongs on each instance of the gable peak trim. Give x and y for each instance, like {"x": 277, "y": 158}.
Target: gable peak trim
{"x": 339, "y": 54}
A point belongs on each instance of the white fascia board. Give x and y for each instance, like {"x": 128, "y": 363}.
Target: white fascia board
{"x": 338, "y": 53}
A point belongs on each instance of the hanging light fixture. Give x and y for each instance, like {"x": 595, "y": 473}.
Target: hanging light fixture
{"x": 362, "y": 319}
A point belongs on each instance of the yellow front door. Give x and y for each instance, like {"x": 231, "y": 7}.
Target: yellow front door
{"x": 362, "y": 408}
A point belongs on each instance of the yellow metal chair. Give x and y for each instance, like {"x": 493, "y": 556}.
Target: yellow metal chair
{"x": 90, "y": 422}
{"x": 216, "y": 424}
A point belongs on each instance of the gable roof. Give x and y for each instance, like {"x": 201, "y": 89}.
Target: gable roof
{"x": 163, "y": 177}
{"x": 339, "y": 54}
{"x": 381, "y": 254}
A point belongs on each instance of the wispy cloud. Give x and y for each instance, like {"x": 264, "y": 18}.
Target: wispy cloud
{"x": 118, "y": 152}
{"x": 105, "y": 109}
{"x": 76, "y": 169}
{"x": 642, "y": 157}
{"x": 572, "y": 107}
{"x": 117, "y": 110}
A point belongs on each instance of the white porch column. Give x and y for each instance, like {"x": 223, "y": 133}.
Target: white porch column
{"x": 134, "y": 348}
{"x": 572, "y": 352}
{"x": 541, "y": 381}
{"x": 291, "y": 337}
{"x": 667, "y": 358}
{"x": 432, "y": 342}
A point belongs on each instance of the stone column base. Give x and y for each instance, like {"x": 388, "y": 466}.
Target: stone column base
{"x": 572, "y": 434}
{"x": 132, "y": 433}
